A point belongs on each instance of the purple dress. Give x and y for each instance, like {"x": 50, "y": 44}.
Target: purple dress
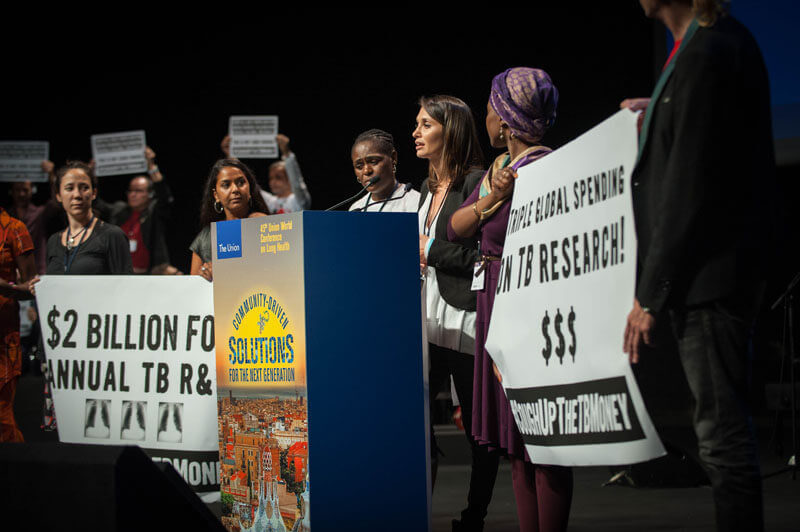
{"x": 492, "y": 421}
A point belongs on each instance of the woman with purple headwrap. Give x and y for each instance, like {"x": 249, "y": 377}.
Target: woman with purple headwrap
{"x": 522, "y": 106}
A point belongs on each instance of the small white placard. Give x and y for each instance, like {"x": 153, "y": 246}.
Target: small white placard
{"x": 119, "y": 153}
{"x": 254, "y": 137}
{"x": 21, "y": 160}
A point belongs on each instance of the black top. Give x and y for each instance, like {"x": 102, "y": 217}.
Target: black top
{"x": 105, "y": 251}
{"x": 703, "y": 187}
{"x": 454, "y": 261}
{"x": 154, "y": 220}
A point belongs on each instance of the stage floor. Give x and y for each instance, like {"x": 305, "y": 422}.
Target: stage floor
{"x": 594, "y": 507}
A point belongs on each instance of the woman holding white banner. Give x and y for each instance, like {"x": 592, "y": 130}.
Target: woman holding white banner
{"x": 230, "y": 193}
{"x": 445, "y": 135}
{"x": 522, "y": 106}
{"x": 88, "y": 246}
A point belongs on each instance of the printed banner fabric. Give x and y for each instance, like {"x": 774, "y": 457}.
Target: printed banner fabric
{"x": 131, "y": 362}
{"x": 566, "y": 287}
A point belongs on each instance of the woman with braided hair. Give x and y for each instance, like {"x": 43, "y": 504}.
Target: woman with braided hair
{"x": 375, "y": 165}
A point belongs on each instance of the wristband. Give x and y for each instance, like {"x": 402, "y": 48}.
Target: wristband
{"x": 428, "y": 246}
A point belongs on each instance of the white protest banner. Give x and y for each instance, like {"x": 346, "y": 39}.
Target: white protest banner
{"x": 119, "y": 153}
{"x": 253, "y": 137}
{"x": 22, "y": 160}
{"x": 565, "y": 289}
{"x": 131, "y": 362}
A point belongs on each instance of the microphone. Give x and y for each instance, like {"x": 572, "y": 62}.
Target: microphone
{"x": 372, "y": 181}
{"x": 406, "y": 188}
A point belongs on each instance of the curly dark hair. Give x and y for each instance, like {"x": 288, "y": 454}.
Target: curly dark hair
{"x": 207, "y": 212}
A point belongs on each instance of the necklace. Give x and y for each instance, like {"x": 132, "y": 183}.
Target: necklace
{"x": 428, "y": 219}
{"x": 71, "y": 238}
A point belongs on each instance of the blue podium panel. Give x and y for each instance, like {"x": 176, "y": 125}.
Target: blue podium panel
{"x": 320, "y": 373}
{"x": 366, "y": 402}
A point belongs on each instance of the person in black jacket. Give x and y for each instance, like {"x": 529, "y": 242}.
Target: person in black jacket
{"x": 446, "y": 136}
{"x": 143, "y": 218}
{"x": 701, "y": 191}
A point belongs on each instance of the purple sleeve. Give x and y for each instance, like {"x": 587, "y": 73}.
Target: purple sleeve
{"x": 451, "y": 235}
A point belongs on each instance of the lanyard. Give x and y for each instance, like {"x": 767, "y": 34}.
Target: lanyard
{"x": 383, "y": 204}
{"x": 427, "y": 228}
{"x": 69, "y": 256}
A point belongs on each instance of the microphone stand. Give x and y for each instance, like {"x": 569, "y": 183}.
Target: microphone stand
{"x": 355, "y": 196}
{"x": 407, "y": 187}
{"x": 348, "y": 200}
{"x": 788, "y": 331}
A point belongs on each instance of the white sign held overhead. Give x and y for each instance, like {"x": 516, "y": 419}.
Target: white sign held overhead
{"x": 253, "y": 137}
{"x": 565, "y": 289}
{"x": 131, "y": 362}
{"x": 119, "y": 153}
{"x": 22, "y": 160}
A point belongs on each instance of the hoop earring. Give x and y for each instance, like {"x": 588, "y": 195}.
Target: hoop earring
{"x": 218, "y": 207}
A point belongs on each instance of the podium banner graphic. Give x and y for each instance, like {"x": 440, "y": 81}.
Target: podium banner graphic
{"x": 261, "y": 372}
{"x": 565, "y": 289}
{"x": 131, "y": 362}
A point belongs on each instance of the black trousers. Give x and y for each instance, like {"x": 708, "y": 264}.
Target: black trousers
{"x": 445, "y": 362}
{"x": 713, "y": 342}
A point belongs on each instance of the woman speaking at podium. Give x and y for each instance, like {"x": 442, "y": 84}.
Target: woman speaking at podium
{"x": 375, "y": 165}
{"x": 522, "y": 106}
{"x": 446, "y": 136}
{"x": 230, "y": 193}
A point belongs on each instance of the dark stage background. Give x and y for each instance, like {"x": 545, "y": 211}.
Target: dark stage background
{"x": 327, "y": 82}
{"x": 330, "y": 74}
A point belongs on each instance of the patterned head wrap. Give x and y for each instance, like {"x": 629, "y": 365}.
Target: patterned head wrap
{"x": 525, "y": 99}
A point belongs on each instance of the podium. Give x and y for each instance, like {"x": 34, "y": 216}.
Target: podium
{"x": 322, "y": 387}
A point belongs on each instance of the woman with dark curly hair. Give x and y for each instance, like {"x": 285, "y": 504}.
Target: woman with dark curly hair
{"x": 230, "y": 193}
